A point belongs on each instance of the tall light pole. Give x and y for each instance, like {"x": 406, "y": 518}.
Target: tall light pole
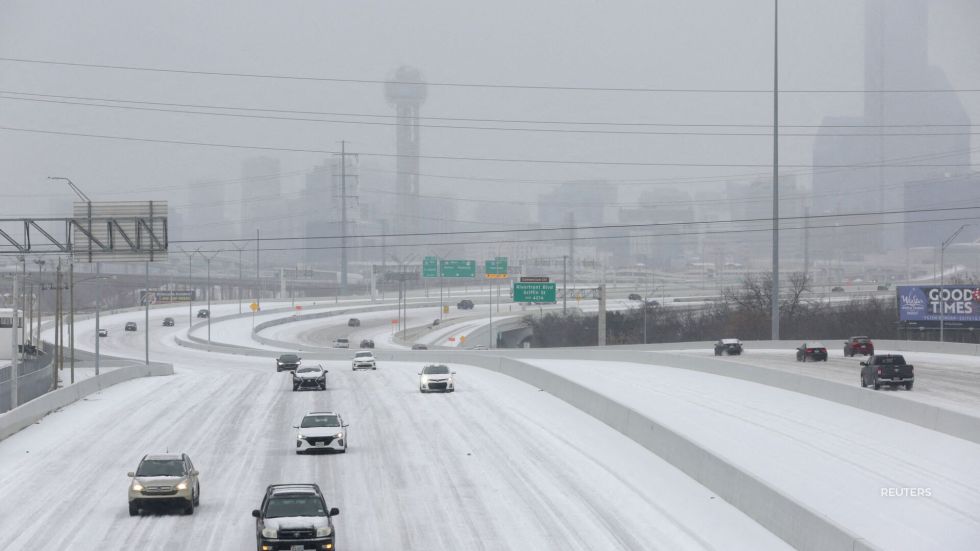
{"x": 775, "y": 173}
{"x": 942, "y": 279}
{"x": 241, "y": 263}
{"x": 190, "y": 288}
{"x": 207, "y": 259}
{"x": 40, "y": 288}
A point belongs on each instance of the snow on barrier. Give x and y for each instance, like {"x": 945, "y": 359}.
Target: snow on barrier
{"x": 30, "y": 412}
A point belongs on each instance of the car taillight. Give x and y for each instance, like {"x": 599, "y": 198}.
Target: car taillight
{"x": 879, "y": 371}
{"x": 809, "y": 350}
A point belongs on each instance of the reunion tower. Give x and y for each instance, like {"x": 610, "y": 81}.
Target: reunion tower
{"x": 406, "y": 91}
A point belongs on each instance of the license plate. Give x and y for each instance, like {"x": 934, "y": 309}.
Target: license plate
{"x": 297, "y": 548}
{"x": 319, "y": 445}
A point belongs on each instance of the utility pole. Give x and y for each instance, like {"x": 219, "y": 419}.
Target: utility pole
{"x": 146, "y": 316}
{"x": 564, "y": 283}
{"x": 71, "y": 316}
{"x": 258, "y": 279}
{"x": 98, "y": 307}
{"x": 57, "y": 328}
{"x": 806, "y": 241}
{"x": 14, "y": 368}
{"x": 602, "y": 315}
{"x": 343, "y": 217}
{"x": 775, "y": 173}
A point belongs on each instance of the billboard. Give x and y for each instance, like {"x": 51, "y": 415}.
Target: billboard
{"x": 954, "y": 304}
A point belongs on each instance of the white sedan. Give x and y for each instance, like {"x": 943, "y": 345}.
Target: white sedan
{"x": 321, "y": 431}
{"x": 364, "y": 359}
{"x": 436, "y": 378}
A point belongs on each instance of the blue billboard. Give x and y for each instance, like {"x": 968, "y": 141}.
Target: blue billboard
{"x": 954, "y": 304}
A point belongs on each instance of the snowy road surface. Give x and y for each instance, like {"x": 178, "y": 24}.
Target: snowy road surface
{"x": 836, "y": 459}
{"x": 950, "y": 381}
{"x": 496, "y": 465}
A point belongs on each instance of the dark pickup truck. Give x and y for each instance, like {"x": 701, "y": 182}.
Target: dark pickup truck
{"x": 887, "y": 369}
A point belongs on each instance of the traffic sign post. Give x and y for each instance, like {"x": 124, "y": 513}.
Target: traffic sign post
{"x": 534, "y": 292}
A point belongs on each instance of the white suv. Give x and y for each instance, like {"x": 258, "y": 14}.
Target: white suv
{"x": 364, "y": 359}
{"x": 321, "y": 430}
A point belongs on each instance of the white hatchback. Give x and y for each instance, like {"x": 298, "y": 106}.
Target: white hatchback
{"x": 321, "y": 431}
{"x": 364, "y": 359}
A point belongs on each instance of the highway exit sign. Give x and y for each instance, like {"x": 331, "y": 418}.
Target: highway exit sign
{"x": 534, "y": 292}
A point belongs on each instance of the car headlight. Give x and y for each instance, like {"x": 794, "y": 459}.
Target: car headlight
{"x": 339, "y": 435}
{"x": 299, "y": 436}
{"x": 324, "y": 532}
{"x": 270, "y": 533}
{"x": 182, "y": 485}
{"x": 137, "y": 487}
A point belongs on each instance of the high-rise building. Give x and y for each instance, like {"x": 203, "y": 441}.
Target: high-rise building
{"x": 879, "y": 162}
{"x": 407, "y": 91}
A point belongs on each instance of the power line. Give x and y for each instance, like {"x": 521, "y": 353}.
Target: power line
{"x": 489, "y": 120}
{"x": 590, "y": 227}
{"x": 457, "y": 158}
{"x": 449, "y": 84}
{"x": 613, "y": 132}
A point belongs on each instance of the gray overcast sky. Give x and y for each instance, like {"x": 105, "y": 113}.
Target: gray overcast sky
{"x": 629, "y": 43}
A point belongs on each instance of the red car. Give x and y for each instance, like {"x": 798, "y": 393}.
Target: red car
{"x": 859, "y": 345}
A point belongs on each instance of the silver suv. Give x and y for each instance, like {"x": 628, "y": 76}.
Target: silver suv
{"x": 164, "y": 479}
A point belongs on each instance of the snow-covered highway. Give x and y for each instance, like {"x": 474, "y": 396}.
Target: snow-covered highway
{"x": 498, "y": 464}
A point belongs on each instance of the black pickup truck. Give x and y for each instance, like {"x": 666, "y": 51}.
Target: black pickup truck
{"x": 887, "y": 369}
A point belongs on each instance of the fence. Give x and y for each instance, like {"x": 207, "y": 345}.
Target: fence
{"x": 34, "y": 378}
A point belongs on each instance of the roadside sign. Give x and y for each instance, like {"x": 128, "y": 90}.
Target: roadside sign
{"x": 496, "y": 266}
{"x": 458, "y": 268}
{"x": 299, "y": 306}
{"x": 430, "y": 267}
{"x": 394, "y": 322}
{"x": 462, "y": 338}
{"x": 253, "y": 307}
{"x": 496, "y": 276}
{"x": 535, "y": 279}
{"x": 534, "y": 292}
{"x": 445, "y": 308}
{"x": 452, "y": 339}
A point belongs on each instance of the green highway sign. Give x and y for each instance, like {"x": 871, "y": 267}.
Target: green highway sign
{"x": 430, "y": 267}
{"x": 534, "y": 292}
{"x": 458, "y": 268}
{"x": 497, "y": 266}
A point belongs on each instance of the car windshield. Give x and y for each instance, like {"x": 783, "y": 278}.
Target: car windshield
{"x": 161, "y": 467}
{"x": 288, "y": 358}
{"x": 341, "y": 340}
{"x": 295, "y": 506}
{"x": 362, "y": 355}
{"x": 313, "y": 421}
{"x": 862, "y": 340}
{"x": 435, "y": 370}
{"x": 308, "y": 369}
{"x": 815, "y": 345}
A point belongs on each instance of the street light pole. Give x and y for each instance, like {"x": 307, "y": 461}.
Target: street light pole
{"x": 942, "y": 279}
{"x": 775, "y": 174}
{"x": 207, "y": 259}
{"x": 98, "y": 308}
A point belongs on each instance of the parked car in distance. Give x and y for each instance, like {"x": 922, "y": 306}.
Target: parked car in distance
{"x": 811, "y": 351}
{"x": 652, "y": 302}
{"x": 419, "y": 346}
{"x": 859, "y": 345}
{"x": 364, "y": 359}
{"x": 367, "y": 343}
{"x": 728, "y": 347}
{"x": 310, "y": 376}
{"x": 837, "y": 290}
{"x": 168, "y": 322}
{"x": 353, "y": 322}
{"x": 465, "y": 304}
{"x": 287, "y": 362}
{"x": 436, "y": 378}
{"x": 321, "y": 431}
{"x": 164, "y": 479}
{"x": 294, "y": 516}
{"x": 130, "y": 326}
{"x": 887, "y": 369}
{"x": 103, "y": 332}
{"x": 341, "y": 343}
{"x": 203, "y": 313}
{"x": 634, "y": 296}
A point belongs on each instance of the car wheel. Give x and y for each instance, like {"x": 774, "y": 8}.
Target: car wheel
{"x": 864, "y": 384}
{"x": 908, "y": 386}
{"x": 344, "y": 450}
{"x": 197, "y": 496}
{"x": 278, "y": 370}
{"x": 825, "y": 358}
{"x": 189, "y": 509}
{"x": 323, "y": 387}
{"x": 877, "y": 385}
{"x": 134, "y": 509}
{"x": 295, "y": 388}
{"x": 803, "y": 359}
{"x": 374, "y": 368}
